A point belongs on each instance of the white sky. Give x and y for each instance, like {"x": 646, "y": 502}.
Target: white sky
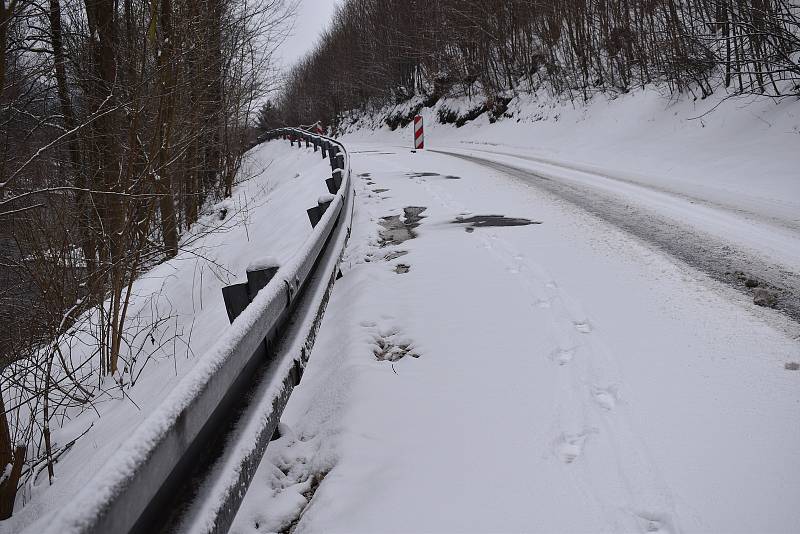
{"x": 312, "y": 17}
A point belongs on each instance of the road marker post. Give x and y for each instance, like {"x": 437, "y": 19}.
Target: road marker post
{"x": 419, "y": 136}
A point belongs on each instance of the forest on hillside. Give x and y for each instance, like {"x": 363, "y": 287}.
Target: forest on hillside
{"x": 118, "y": 121}
{"x": 380, "y": 52}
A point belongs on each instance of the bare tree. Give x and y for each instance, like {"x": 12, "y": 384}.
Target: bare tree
{"x": 119, "y": 121}
{"x": 378, "y": 51}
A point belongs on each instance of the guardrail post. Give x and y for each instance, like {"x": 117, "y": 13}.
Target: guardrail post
{"x": 257, "y": 279}
{"x": 332, "y": 151}
{"x": 332, "y": 184}
{"x": 339, "y": 161}
{"x": 335, "y": 181}
{"x": 324, "y": 147}
{"x": 315, "y": 214}
{"x": 238, "y": 296}
{"x": 315, "y": 142}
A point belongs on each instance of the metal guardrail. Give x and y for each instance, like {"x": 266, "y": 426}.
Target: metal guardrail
{"x": 241, "y": 386}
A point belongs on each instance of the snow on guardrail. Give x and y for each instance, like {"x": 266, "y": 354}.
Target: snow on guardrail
{"x": 151, "y": 463}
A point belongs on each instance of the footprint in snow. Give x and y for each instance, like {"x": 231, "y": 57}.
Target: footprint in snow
{"x": 543, "y": 303}
{"x": 393, "y": 347}
{"x": 395, "y": 254}
{"x": 584, "y": 327}
{"x": 570, "y": 446}
{"x": 606, "y": 398}
{"x": 402, "y": 268}
{"x": 563, "y": 356}
{"x": 654, "y": 523}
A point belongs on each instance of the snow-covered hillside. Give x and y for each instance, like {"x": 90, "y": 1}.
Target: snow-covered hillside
{"x": 266, "y": 216}
{"x": 738, "y": 151}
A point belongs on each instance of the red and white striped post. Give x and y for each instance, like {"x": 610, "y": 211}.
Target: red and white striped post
{"x": 419, "y": 137}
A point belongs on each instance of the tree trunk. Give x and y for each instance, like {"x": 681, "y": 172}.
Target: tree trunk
{"x": 84, "y": 228}
{"x": 9, "y": 456}
{"x": 163, "y": 180}
{"x": 100, "y": 15}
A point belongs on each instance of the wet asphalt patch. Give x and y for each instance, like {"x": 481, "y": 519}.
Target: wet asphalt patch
{"x": 484, "y": 221}
{"x": 413, "y": 214}
{"x": 398, "y": 229}
{"x": 430, "y": 174}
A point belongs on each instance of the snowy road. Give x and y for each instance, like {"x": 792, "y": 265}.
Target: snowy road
{"x": 731, "y": 241}
{"x": 480, "y": 374}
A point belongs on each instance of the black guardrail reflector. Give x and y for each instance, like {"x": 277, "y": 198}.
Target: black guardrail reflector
{"x": 314, "y": 215}
{"x": 258, "y": 279}
{"x": 332, "y": 187}
{"x": 236, "y": 298}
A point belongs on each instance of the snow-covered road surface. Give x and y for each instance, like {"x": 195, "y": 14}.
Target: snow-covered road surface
{"x": 726, "y": 241}
{"x": 765, "y": 206}
{"x": 564, "y": 376}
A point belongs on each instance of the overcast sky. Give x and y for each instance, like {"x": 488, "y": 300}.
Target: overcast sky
{"x": 312, "y": 17}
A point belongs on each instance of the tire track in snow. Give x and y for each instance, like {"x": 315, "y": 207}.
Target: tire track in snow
{"x": 709, "y": 254}
{"x": 596, "y": 171}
